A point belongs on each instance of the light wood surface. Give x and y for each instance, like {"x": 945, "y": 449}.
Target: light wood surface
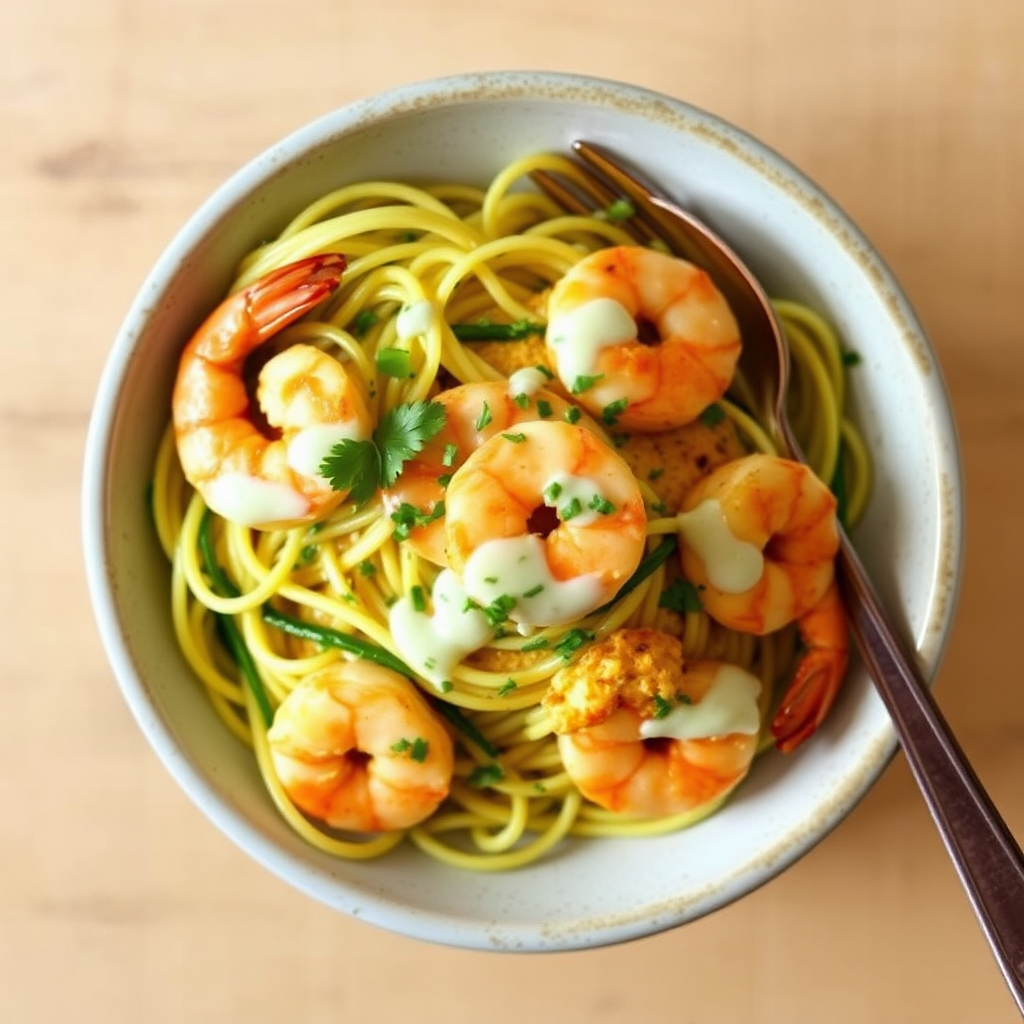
{"x": 118, "y": 901}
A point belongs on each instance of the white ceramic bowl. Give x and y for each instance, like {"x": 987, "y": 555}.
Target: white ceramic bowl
{"x": 591, "y": 892}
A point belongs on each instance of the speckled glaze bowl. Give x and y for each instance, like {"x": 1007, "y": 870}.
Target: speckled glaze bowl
{"x": 588, "y": 892}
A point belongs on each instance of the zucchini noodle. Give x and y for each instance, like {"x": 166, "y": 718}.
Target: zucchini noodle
{"x": 296, "y": 601}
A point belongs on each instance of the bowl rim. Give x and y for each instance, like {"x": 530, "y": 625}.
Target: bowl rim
{"x": 541, "y": 87}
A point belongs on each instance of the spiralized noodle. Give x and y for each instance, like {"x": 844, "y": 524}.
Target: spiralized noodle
{"x": 470, "y": 253}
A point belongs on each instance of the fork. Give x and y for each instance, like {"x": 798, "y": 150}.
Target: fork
{"x": 986, "y": 856}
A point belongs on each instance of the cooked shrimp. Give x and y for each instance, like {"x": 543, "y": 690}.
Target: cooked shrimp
{"x": 819, "y": 672}
{"x": 759, "y": 540}
{"x": 473, "y": 414}
{"x": 356, "y": 746}
{"x": 546, "y": 522}
{"x": 661, "y": 744}
{"x": 305, "y": 395}
{"x": 641, "y": 338}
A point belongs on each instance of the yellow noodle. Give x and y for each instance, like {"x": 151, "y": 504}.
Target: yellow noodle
{"x": 471, "y": 253}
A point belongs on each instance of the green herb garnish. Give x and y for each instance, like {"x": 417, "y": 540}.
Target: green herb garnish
{"x": 485, "y": 330}
{"x": 682, "y": 597}
{"x": 712, "y": 415}
{"x": 395, "y": 362}
{"x": 360, "y": 467}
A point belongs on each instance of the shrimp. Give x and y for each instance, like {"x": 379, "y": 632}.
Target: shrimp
{"x": 473, "y": 413}
{"x": 306, "y": 396}
{"x": 665, "y": 739}
{"x": 356, "y": 746}
{"x": 641, "y": 338}
{"x": 819, "y": 672}
{"x": 759, "y": 540}
{"x": 544, "y": 523}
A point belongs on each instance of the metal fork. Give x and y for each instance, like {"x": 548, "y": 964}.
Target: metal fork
{"x": 984, "y": 852}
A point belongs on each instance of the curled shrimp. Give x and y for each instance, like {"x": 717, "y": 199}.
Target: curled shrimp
{"x": 474, "y": 413}
{"x": 306, "y": 397}
{"x": 544, "y": 523}
{"x": 759, "y": 540}
{"x": 640, "y": 337}
{"x": 644, "y": 734}
{"x": 356, "y": 745}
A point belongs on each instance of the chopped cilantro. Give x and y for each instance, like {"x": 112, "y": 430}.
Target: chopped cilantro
{"x": 417, "y": 749}
{"x": 661, "y": 706}
{"x": 498, "y": 610}
{"x": 613, "y": 410}
{"x": 570, "y": 510}
{"x": 395, "y": 362}
{"x": 485, "y": 775}
{"x": 681, "y": 596}
{"x": 616, "y": 211}
{"x": 536, "y": 644}
{"x": 484, "y": 418}
{"x": 584, "y": 382}
{"x": 712, "y": 415}
{"x": 572, "y": 641}
{"x": 407, "y": 517}
{"x": 363, "y": 321}
{"x": 450, "y": 453}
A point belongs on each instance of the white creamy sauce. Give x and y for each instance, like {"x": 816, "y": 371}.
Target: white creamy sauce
{"x": 308, "y": 448}
{"x": 434, "y": 643}
{"x": 732, "y": 565}
{"x": 729, "y": 706}
{"x": 515, "y": 567}
{"x": 249, "y": 501}
{"x": 579, "y": 489}
{"x": 579, "y": 336}
{"x": 526, "y": 381}
{"x": 414, "y": 319}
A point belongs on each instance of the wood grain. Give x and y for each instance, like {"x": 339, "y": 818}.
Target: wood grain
{"x": 118, "y": 901}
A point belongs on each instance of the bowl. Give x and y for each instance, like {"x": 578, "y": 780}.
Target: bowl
{"x": 588, "y": 892}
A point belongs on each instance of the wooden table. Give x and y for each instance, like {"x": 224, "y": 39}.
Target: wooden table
{"x": 118, "y": 901}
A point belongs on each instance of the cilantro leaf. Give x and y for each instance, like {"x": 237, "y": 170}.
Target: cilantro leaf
{"x": 360, "y": 467}
{"x": 403, "y": 432}
{"x": 353, "y": 466}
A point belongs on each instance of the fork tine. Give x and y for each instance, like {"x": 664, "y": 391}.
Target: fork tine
{"x": 664, "y": 213}
{"x": 598, "y": 196}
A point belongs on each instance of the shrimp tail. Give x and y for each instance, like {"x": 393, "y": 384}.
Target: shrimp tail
{"x": 286, "y": 294}
{"x": 819, "y": 672}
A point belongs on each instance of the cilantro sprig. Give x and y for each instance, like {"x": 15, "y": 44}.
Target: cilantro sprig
{"x": 360, "y": 467}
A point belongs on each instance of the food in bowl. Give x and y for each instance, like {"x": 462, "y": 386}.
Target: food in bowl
{"x": 474, "y": 541}
{"x": 584, "y": 891}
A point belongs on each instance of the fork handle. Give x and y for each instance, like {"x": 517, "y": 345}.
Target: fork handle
{"x": 985, "y": 854}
